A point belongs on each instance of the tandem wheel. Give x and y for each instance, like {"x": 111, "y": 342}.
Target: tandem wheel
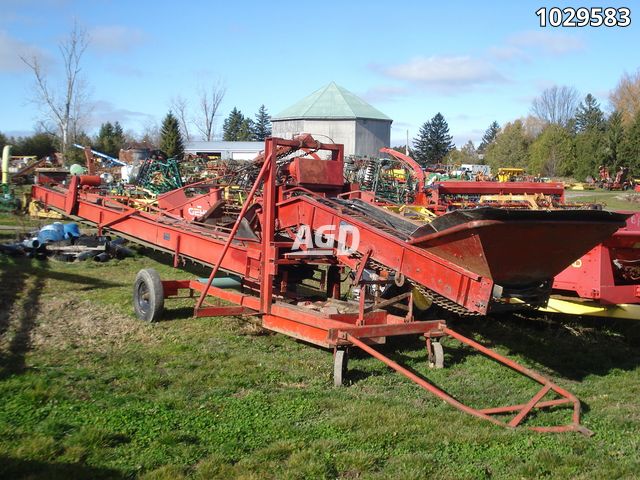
{"x": 148, "y": 295}
{"x": 340, "y": 361}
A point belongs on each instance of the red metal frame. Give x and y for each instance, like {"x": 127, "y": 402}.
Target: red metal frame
{"x": 593, "y": 276}
{"x": 260, "y": 261}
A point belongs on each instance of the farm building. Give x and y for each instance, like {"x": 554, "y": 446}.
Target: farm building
{"x": 334, "y": 114}
{"x": 224, "y": 150}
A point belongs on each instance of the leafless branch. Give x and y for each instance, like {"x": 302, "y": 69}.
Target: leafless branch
{"x": 556, "y": 105}
{"x": 209, "y": 101}
{"x": 180, "y": 106}
{"x": 65, "y": 107}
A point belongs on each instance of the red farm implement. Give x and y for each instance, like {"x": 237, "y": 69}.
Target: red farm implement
{"x": 604, "y": 282}
{"x": 299, "y": 222}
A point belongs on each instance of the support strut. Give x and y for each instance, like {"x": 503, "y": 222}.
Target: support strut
{"x": 522, "y": 410}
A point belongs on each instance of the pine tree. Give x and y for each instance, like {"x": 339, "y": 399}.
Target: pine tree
{"x": 246, "y": 132}
{"x": 170, "y": 137}
{"x": 421, "y": 144}
{"x": 110, "y": 139}
{"x": 433, "y": 141}
{"x": 440, "y": 142}
{"x": 262, "y": 125}
{"x": 236, "y": 127}
{"x": 614, "y": 136}
{"x": 489, "y": 136}
{"x": 589, "y": 115}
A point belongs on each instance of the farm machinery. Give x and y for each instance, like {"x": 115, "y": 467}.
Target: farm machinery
{"x": 604, "y": 282}
{"x": 300, "y": 222}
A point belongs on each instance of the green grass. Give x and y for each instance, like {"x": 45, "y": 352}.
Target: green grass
{"x": 616, "y": 200}
{"x": 88, "y": 391}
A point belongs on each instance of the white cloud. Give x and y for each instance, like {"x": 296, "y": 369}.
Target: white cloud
{"x": 11, "y": 49}
{"x": 126, "y": 70}
{"x": 446, "y": 73}
{"x": 524, "y": 46}
{"x": 116, "y": 38}
{"x": 384, "y": 93}
{"x": 104, "y": 111}
{"x": 553, "y": 43}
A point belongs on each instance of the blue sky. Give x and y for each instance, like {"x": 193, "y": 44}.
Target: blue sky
{"x": 473, "y": 61}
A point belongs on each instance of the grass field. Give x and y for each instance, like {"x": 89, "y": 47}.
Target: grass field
{"x": 611, "y": 200}
{"x": 89, "y": 391}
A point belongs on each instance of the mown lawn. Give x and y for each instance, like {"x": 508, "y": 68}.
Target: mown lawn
{"x": 614, "y": 200}
{"x": 88, "y": 391}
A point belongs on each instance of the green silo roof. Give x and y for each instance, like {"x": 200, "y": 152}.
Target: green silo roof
{"x": 331, "y": 101}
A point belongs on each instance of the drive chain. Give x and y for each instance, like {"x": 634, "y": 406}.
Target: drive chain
{"x": 441, "y": 301}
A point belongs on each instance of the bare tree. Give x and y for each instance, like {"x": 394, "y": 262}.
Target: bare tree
{"x": 556, "y": 105}
{"x": 64, "y": 107}
{"x": 180, "y": 106}
{"x": 151, "y": 134}
{"x": 625, "y": 98}
{"x": 209, "y": 101}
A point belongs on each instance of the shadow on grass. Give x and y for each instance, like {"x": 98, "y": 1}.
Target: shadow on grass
{"x": 18, "y": 468}
{"x": 16, "y": 287}
{"x": 22, "y": 285}
{"x": 179, "y": 313}
{"x": 573, "y": 348}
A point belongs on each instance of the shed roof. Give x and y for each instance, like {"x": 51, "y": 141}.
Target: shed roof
{"x": 331, "y": 102}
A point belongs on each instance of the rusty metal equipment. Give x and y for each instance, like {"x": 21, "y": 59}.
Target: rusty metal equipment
{"x": 467, "y": 262}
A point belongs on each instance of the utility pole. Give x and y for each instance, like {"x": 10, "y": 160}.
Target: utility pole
{"x": 406, "y": 147}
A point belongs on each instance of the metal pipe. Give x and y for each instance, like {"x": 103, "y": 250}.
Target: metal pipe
{"x": 232, "y": 234}
{"x": 6, "y": 155}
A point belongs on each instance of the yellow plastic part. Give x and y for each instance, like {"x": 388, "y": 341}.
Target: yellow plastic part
{"x": 590, "y": 308}
{"x": 420, "y": 301}
{"x": 505, "y": 174}
{"x": 38, "y": 210}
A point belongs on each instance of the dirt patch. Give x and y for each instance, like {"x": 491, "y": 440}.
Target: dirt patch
{"x": 68, "y": 322}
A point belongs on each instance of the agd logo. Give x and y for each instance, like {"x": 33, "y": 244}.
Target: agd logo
{"x": 322, "y": 240}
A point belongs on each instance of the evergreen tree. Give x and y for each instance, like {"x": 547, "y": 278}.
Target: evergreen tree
{"x": 590, "y": 153}
{"x": 510, "y": 148}
{"x": 262, "y": 125}
{"x": 614, "y": 136}
{"x": 246, "y": 132}
{"x": 421, "y": 144}
{"x": 110, "y": 139}
{"x": 171, "y": 138}
{"x": 433, "y": 141}
{"x": 39, "y": 144}
{"x": 489, "y": 136}
{"x": 589, "y": 115}
{"x": 236, "y": 127}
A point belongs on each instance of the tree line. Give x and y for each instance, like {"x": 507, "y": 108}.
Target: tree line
{"x": 169, "y": 137}
{"x": 562, "y": 135}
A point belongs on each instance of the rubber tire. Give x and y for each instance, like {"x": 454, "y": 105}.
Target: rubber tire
{"x": 340, "y": 362}
{"x": 148, "y": 295}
